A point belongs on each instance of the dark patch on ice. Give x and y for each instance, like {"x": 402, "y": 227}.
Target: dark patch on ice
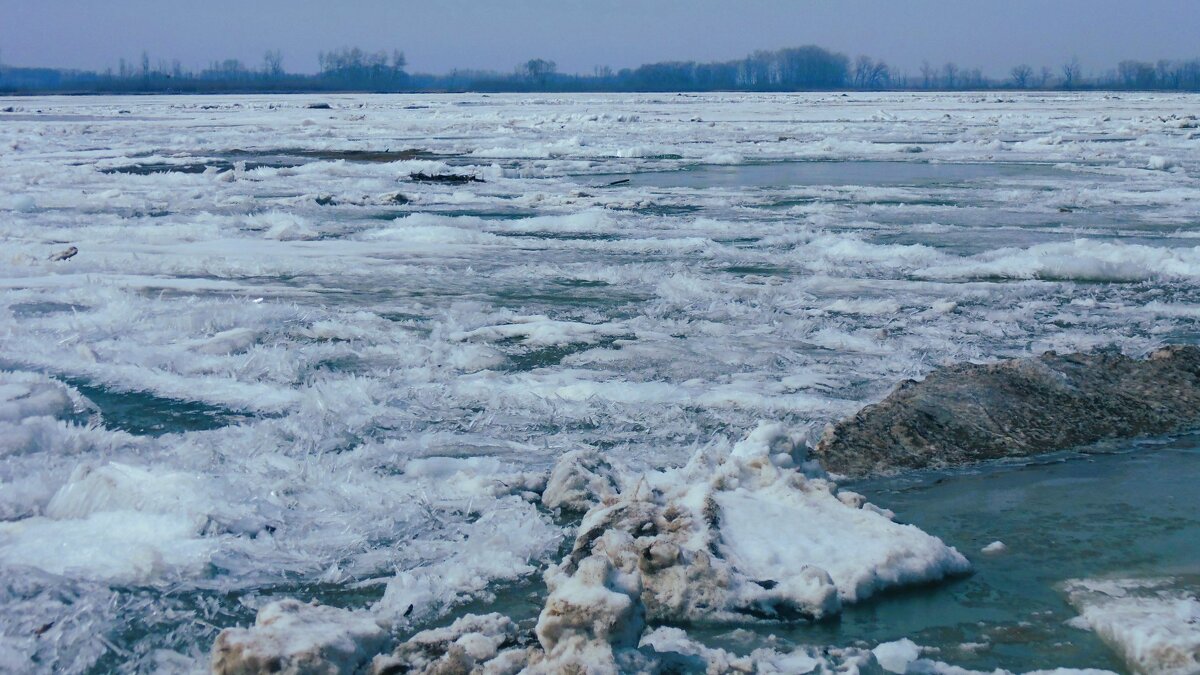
{"x": 145, "y": 414}
{"x": 857, "y": 172}
{"x": 742, "y": 242}
{"x": 662, "y": 209}
{"x": 900, "y": 201}
{"x": 346, "y": 363}
{"x": 582, "y": 283}
{"x": 560, "y": 236}
{"x": 444, "y": 178}
{"x": 403, "y": 317}
{"x": 270, "y": 159}
{"x": 758, "y": 270}
{"x": 221, "y": 166}
{"x": 550, "y": 356}
{"x": 1101, "y": 139}
{"x": 482, "y": 214}
{"x": 532, "y": 299}
{"x": 23, "y": 310}
{"x": 384, "y": 156}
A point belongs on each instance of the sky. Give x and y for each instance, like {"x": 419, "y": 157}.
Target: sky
{"x": 440, "y": 35}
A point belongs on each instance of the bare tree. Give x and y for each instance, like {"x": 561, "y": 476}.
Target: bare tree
{"x": 537, "y": 70}
{"x": 273, "y": 63}
{"x": 1070, "y": 72}
{"x": 1136, "y": 74}
{"x": 869, "y": 73}
{"x": 950, "y": 75}
{"x": 881, "y": 75}
{"x": 1020, "y": 75}
{"x": 398, "y": 60}
{"x": 1044, "y": 77}
{"x": 1168, "y": 74}
{"x": 928, "y": 74}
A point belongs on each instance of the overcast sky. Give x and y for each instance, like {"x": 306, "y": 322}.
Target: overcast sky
{"x": 439, "y": 35}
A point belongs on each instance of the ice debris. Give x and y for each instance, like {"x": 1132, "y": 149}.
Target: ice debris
{"x": 65, "y": 254}
{"x": 290, "y": 636}
{"x": 28, "y": 395}
{"x": 491, "y": 643}
{"x": 904, "y": 656}
{"x": 494, "y": 645}
{"x": 581, "y": 479}
{"x": 748, "y": 532}
{"x": 1154, "y": 624}
{"x": 895, "y": 657}
{"x": 994, "y": 548}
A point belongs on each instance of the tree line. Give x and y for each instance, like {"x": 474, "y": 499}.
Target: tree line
{"x": 804, "y": 68}
{"x": 346, "y": 69}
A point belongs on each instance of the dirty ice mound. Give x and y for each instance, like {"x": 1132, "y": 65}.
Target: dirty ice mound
{"x": 752, "y": 531}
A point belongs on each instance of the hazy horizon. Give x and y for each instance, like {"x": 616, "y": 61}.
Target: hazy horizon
{"x": 460, "y": 34}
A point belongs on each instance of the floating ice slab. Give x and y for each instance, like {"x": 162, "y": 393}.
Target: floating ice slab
{"x": 1153, "y": 623}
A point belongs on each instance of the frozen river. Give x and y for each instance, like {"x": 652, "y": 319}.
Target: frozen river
{"x": 282, "y": 365}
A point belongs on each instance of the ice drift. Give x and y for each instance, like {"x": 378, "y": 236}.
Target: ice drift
{"x": 1154, "y": 624}
{"x": 752, "y": 531}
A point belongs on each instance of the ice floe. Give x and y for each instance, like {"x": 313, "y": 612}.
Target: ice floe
{"x": 1153, "y": 623}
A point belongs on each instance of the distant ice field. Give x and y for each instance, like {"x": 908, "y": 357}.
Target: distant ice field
{"x": 332, "y": 353}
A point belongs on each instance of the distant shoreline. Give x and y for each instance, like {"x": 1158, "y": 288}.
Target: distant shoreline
{"x": 452, "y": 92}
{"x": 808, "y": 68}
